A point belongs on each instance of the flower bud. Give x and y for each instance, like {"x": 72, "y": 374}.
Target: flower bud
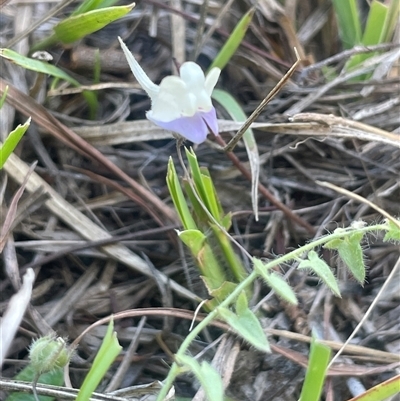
{"x": 48, "y": 353}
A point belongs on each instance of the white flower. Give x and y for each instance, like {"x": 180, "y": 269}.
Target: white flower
{"x": 180, "y": 104}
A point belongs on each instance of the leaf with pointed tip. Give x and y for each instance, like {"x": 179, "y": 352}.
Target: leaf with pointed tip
{"x": 393, "y": 232}
{"x": 321, "y": 269}
{"x": 247, "y": 326}
{"x": 208, "y": 377}
{"x": 350, "y": 251}
{"x": 275, "y": 282}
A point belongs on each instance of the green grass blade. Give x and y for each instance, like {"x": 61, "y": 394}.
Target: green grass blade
{"x": 108, "y": 351}
{"x": 178, "y": 197}
{"x": 348, "y": 20}
{"x": 37, "y": 65}
{"x": 236, "y": 112}
{"x": 382, "y": 391}
{"x": 12, "y": 141}
{"x": 78, "y": 26}
{"x": 233, "y": 42}
{"x": 391, "y": 21}
{"x": 3, "y": 98}
{"x": 89, "y": 5}
{"x": 315, "y": 376}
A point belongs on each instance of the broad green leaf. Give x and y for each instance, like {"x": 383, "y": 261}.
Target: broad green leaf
{"x": 78, "y": 26}
{"x": 393, "y": 232}
{"x": 247, "y": 326}
{"x": 208, "y": 377}
{"x": 237, "y": 114}
{"x": 37, "y": 65}
{"x": 233, "y": 42}
{"x": 108, "y": 351}
{"x": 12, "y": 141}
{"x": 321, "y": 269}
{"x": 350, "y": 251}
{"x": 349, "y": 24}
{"x": 193, "y": 239}
{"x": 275, "y": 282}
{"x": 178, "y": 198}
{"x": 27, "y": 374}
{"x": 316, "y": 372}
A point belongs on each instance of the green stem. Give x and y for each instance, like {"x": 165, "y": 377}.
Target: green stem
{"x": 174, "y": 371}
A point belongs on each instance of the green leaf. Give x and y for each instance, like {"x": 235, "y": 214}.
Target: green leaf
{"x": 316, "y": 372}
{"x": 78, "y": 26}
{"x": 193, "y": 239}
{"x": 27, "y": 374}
{"x": 37, "y": 65}
{"x": 208, "y": 377}
{"x": 350, "y": 251}
{"x": 108, "y": 351}
{"x": 233, "y": 42}
{"x": 3, "y": 98}
{"x": 349, "y": 24}
{"x": 276, "y": 282}
{"x": 242, "y": 304}
{"x": 382, "y": 391}
{"x": 393, "y": 232}
{"x": 321, "y": 269}
{"x": 12, "y": 141}
{"x": 373, "y": 33}
{"x": 237, "y": 114}
{"x": 247, "y": 326}
{"x": 391, "y": 21}
{"x": 178, "y": 197}
{"x": 89, "y": 5}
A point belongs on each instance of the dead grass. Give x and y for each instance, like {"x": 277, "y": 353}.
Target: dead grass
{"x": 100, "y": 233}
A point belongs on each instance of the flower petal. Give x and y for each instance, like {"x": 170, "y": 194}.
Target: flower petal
{"x": 211, "y": 80}
{"x": 145, "y": 82}
{"x": 194, "y": 128}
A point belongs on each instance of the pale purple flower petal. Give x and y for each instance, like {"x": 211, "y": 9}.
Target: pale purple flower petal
{"x": 194, "y": 128}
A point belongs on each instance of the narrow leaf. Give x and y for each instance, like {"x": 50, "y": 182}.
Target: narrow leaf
{"x": 247, "y": 326}
{"x": 178, "y": 198}
{"x": 37, "y": 65}
{"x": 233, "y": 42}
{"x": 12, "y": 141}
{"x": 275, "y": 282}
{"x": 3, "y": 98}
{"x": 349, "y": 24}
{"x": 78, "y": 26}
{"x": 321, "y": 269}
{"x": 237, "y": 114}
{"x": 316, "y": 372}
{"x": 208, "y": 377}
{"x": 108, "y": 351}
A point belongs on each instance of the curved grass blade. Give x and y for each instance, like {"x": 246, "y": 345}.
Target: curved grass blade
{"x": 233, "y": 42}
{"x": 236, "y": 112}
{"x": 78, "y": 26}
{"x": 108, "y": 351}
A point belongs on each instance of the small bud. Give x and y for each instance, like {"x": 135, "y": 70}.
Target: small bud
{"x": 48, "y": 353}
